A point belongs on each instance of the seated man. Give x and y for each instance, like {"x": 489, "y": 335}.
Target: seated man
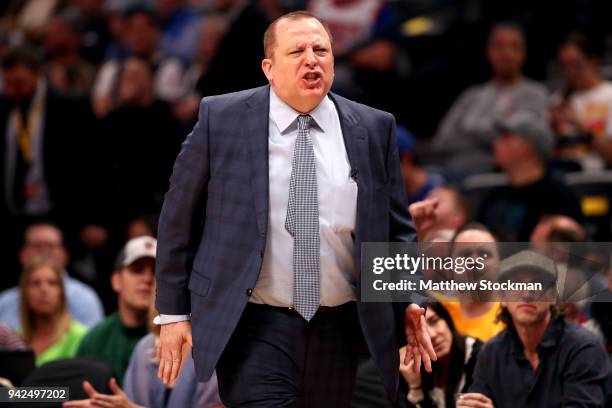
{"x": 539, "y": 360}
{"x": 521, "y": 150}
{"x": 44, "y": 239}
{"x": 114, "y": 339}
{"x": 466, "y": 134}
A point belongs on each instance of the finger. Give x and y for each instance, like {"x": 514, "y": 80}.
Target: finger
{"x": 99, "y": 402}
{"x": 158, "y": 352}
{"x": 89, "y": 389}
{"x": 176, "y": 364}
{"x": 425, "y": 358}
{"x": 417, "y": 360}
{"x": 167, "y": 359}
{"x": 425, "y": 340}
{"x": 160, "y": 370}
{"x": 476, "y": 396}
{"x": 408, "y": 355}
{"x": 189, "y": 339}
{"x": 115, "y": 387}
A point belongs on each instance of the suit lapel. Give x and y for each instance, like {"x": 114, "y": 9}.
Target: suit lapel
{"x": 256, "y": 133}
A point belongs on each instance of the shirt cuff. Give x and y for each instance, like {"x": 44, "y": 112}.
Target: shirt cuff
{"x": 167, "y": 319}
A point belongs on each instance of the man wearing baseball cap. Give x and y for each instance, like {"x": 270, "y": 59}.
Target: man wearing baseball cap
{"x": 522, "y": 149}
{"x": 114, "y": 339}
{"x": 539, "y": 360}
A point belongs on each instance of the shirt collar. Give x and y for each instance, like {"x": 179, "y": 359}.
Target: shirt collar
{"x": 285, "y": 116}
{"x": 549, "y": 340}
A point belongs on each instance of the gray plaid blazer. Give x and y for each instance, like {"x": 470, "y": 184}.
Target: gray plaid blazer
{"x": 212, "y": 228}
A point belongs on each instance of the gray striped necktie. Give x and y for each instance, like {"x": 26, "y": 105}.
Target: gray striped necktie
{"x": 303, "y": 223}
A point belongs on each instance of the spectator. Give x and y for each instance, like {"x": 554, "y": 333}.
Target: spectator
{"x": 141, "y": 35}
{"x": 114, "y": 339}
{"x": 513, "y": 211}
{"x": 558, "y": 228}
{"x": 416, "y": 179}
{"x": 474, "y": 314}
{"x": 581, "y": 115}
{"x": 539, "y": 360}
{"x": 139, "y": 145}
{"x": 466, "y": 134}
{"x": 44, "y": 239}
{"x": 66, "y": 70}
{"x": 142, "y": 387}
{"x": 451, "y": 373}
{"x": 10, "y": 340}
{"x": 45, "y": 150}
{"x": 45, "y": 321}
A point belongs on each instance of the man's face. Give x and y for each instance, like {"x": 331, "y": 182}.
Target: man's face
{"x": 134, "y": 284}
{"x": 529, "y": 308}
{"x": 508, "y": 148}
{"x": 301, "y": 68}
{"x": 141, "y": 35}
{"x": 43, "y": 240}
{"x": 506, "y": 52}
{"x": 19, "y": 82}
{"x": 135, "y": 82}
{"x": 574, "y": 63}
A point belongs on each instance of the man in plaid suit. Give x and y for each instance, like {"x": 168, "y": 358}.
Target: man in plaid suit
{"x": 259, "y": 244}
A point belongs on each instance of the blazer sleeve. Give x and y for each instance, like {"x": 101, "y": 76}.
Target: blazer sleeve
{"x": 401, "y": 227}
{"x": 182, "y": 218}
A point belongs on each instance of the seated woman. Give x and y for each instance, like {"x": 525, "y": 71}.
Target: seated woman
{"x": 476, "y": 316}
{"x": 46, "y": 324}
{"x": 451, "y": 373}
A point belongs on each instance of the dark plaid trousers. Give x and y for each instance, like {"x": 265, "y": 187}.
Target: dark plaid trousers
{"x": 277, "y": 359}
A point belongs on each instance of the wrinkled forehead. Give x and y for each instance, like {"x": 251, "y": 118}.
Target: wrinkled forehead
{"x": 305, "y": 30}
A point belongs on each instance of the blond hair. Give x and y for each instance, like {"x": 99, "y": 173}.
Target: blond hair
{"x": 62, "y": 316}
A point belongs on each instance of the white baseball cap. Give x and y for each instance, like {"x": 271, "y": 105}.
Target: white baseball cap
{"x": 135, "y": 249}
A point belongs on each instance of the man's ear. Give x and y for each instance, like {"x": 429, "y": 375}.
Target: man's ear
{"x": 266, "y": 67}
{"x": 116, "y": 281}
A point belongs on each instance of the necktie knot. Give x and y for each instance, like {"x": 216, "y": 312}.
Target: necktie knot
{"x": 304, "y": 122}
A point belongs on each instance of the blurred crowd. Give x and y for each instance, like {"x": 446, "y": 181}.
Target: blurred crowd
{"x": 504, "y": 116}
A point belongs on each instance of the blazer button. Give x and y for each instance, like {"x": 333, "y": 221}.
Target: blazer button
{"x": 249, "y": 291}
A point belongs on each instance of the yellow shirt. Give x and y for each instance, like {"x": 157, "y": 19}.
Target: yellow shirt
{"x": 482, "y": 327}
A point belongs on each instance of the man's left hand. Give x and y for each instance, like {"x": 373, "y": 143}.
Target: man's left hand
{"x": 419, "y": 346}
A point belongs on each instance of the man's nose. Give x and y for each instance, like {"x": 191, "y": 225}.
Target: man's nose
{"x": 310, "y": 57}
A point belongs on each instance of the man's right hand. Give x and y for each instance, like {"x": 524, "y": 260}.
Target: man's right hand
{"x": 174, "y": 345}
{"x": 424, "y": 216}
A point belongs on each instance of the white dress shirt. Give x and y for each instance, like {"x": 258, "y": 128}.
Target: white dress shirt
{"x": 337, "y": 209}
